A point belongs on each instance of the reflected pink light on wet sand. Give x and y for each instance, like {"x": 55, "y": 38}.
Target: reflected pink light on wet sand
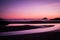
{"x": 30, "y": 24}
{"x": 37, "y": 30}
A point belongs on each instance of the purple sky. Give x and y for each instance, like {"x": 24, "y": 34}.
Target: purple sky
{"x": 17, "y": 9}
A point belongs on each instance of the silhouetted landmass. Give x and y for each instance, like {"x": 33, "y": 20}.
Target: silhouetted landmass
{"x": 56, "y": 19}
{"x": 3, "y": 22}
{"x": 44, "y": 19}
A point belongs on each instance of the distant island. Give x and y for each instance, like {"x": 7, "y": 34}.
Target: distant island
{"x": 56, "y": 19}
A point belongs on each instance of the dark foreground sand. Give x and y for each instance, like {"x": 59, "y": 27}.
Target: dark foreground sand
{"x": 37, "y": 36}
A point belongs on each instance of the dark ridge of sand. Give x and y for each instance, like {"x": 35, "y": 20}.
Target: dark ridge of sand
{"x": 24, "y": 27}
{"x": 16, "y": 28}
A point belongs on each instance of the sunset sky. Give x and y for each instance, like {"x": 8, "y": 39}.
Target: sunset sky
{"x": 21, "y": 9}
